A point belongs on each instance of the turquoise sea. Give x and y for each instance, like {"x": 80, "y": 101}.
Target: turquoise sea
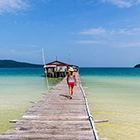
{"x": 113, "y": 94}
{"x": 19, "y": 89}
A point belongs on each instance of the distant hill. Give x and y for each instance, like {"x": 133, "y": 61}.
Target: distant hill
{"x": 15, "y": 64}
{"x": 137, "y": 66}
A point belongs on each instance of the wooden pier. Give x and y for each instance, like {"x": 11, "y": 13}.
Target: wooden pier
{"x": 55, "y": 117}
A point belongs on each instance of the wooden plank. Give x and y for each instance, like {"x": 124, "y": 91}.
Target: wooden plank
{"x": 55, "y": 117}
{"x": 100, "y": 121}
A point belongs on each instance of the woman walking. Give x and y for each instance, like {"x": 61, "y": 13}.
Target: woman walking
{"x": 71, "y": 81}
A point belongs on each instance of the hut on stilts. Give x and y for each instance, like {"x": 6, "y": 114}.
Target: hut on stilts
{"x": 57, "y": 69}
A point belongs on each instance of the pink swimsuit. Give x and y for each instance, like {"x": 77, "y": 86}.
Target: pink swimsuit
{"x": 71, "y": 81}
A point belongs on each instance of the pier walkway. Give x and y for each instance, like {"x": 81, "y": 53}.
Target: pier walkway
{"x": 55, "y": 117}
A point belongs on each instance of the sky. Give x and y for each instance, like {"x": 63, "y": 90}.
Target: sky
{"x": 87, "y": 33}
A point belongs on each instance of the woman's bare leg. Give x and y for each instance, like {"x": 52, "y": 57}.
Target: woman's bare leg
{"x": 70, "y": 91}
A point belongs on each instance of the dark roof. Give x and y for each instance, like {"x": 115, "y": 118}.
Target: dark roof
{"x": 57, "y": 63}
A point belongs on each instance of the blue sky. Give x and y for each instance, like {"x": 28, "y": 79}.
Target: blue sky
{"x": 94, "y": 33}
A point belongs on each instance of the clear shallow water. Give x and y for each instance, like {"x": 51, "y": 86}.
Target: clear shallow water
{"x": 19, "y": 89}
{"x": 114, "y": 94}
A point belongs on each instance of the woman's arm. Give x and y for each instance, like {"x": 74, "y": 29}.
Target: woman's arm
{"x": 67, "y": 77}
{"x": 75, "y": 79}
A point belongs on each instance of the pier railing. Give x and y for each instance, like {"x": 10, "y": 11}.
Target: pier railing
{"x": 89, "y": 114}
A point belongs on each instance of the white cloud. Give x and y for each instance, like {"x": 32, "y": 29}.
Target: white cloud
{"x": 19, "y": 52}
{"x": 118, "y": 3}
{"x": 128, "y": 32}
{"x": 110, "y": 43}
{"x": 111, "y": 37}
{"x": 94, "y": 31}
{"x": 102, "y": 31}
{"x": 90, "y": 42}
{"x": 11, "y": 6}
{"x": 122, "y": 3}
{"x": 125, "y": 44}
